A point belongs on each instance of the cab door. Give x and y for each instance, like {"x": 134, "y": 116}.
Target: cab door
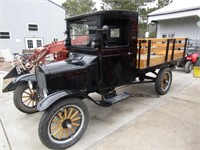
{"x": 117, "y": 54}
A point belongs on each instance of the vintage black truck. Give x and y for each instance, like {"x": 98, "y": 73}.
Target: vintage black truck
{"x": 106, "y": 54}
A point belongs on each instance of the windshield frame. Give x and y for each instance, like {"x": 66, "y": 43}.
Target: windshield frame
{"x": 92, "y": 31}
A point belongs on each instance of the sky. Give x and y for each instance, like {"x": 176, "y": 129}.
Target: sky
{"x": 183, "y": 3}
{"x": 98, "y": 2}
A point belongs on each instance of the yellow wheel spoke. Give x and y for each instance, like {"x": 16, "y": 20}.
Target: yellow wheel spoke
{"x": 55, "y": 133}
{"x": 76, "y": 124}
{"x": 27, "y": 93}
{"x": 70, "y": 112}
{"x": 72, "y": 129}
{"x": 74, "y": 115}
{"x": 27, "y": 100}
{"x": 65, "y": 110}
{"x": 29, "y": 103}
{"x": 75, "y": 119}
{"x": 60, "y": 116}
{"x": 61, "y": 133}
{"x": 55, "y": 127}
{"x": 30, "y": 91}
{"x": 67, "y": 133}
{"x": 57, "y": 121}
{"x": 33, "y": 103}
{"x": 25, "y": 96}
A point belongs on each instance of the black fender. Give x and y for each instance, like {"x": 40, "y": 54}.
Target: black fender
{"x": 23, "y": 78}
{"x": 50, "y": 99}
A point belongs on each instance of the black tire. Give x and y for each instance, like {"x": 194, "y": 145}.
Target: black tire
{"x": 197, "y": 62}
{"x": 24, "y": 99}
{"x": 188, "y": 66}
{"x": 163, "y": 81}
{"x": 60, "y": 119}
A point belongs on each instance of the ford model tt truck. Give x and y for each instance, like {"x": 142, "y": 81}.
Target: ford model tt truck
{"x": 108, "y": 55}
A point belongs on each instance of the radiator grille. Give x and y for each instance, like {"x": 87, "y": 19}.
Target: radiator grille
{"x": 77, "y": 80}
{"x": 41, "y": 81}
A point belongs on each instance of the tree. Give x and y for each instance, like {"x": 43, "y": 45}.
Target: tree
{"x": 140, "y": 6}
{"x": 163, "y": 3}
{"x": 75, "y": 7}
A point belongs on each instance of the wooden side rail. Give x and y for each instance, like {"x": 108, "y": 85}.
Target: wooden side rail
{"x": 152, "y": 52}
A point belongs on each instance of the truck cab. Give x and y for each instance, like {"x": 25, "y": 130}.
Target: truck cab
{"x": 102, "y": 48}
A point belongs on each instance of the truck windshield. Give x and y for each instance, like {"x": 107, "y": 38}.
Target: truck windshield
{"x": 82, "y": 32}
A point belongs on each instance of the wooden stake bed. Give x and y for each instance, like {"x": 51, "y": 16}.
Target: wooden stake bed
{"x": 152, "y": 52}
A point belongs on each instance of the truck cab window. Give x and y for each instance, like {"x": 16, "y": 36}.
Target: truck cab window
{"x": 117, "y": 36}
{"x": 115, "y": 33}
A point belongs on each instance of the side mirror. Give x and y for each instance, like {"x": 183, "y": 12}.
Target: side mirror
{"x": 105, "y": 29}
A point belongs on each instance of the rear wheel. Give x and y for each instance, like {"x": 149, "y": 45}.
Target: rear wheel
{"x": 63, "y": 123}
{"x": 25, "y": 99}
{"x": 163, "y": 81}
{"x": 188, "y": 66}
{"x": 197, "y": 62}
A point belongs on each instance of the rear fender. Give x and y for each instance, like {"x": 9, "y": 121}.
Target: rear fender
{"x": 195, "y": 57}
{"x": 57, "y": 96}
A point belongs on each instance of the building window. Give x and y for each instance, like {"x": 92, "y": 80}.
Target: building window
{"x": 32, "y": 27}
{"x": 30, "y": 44}
{"x": 4, "y": 35}
{"x": 164, "y": 36}
{"x": 39, "y": 43}
{"x": 169, "y": 35}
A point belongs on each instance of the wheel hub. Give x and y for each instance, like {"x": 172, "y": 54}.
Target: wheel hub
{"x": 33, "y": 96}
{"x": 66, "y": 123}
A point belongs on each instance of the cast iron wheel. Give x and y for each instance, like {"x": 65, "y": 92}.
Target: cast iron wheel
{"x": 25, "y": 100}
{"x": 163, "y": 81}
{"x": 188, "y": 66}
{"x": 63, "y": 123}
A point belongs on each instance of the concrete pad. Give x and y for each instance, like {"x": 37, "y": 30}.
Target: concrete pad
{"x": 144, "y": 121}
{"x": 173, "y": 124}
{"x": 4, "y": 145}
{"x": 103, "y": 121}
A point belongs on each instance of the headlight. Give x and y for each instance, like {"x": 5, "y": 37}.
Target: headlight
{"x": 45, "y": 92}
{"x": 30, "y": 85}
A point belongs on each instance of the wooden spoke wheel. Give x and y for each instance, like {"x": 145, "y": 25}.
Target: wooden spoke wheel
{"x": 163, "y": 81}
{"x": 26, "y": 100}
{"x": 63, "y": 124}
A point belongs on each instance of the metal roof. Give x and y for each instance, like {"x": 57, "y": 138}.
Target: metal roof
{"x": 177, "y": 9}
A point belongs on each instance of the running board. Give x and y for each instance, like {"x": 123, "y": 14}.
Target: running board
{"x": 118, "y": 98}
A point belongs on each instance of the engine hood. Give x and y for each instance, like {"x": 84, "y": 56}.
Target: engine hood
{"x": 68, "y": 65}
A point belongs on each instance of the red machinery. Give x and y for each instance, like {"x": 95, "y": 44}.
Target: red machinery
{"x": 26, "y": 64}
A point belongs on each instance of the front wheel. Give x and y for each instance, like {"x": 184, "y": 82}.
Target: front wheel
{"x": 63, "y": 123}
{"x": 26, "y": 99}
{"x": 188, "y": 66}
{"x": 163, "y": 81}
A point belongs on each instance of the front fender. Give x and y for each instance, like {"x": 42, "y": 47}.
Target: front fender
{"x": 25, "y": 77}
{"x": 50, "y": 99}
{"x": 13, "y": 84}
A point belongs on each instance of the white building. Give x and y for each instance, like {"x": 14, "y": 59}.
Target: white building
{"x": 178, "y": 19}
{"x": 26, "y": 24}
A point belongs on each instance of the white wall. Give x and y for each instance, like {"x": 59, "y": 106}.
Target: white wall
{"x": 184, "y": 27}
{"x": 16, "y": 14}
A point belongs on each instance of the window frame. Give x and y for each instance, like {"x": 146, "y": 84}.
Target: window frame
{"x": 28, "y": 28}
{"x": 5, "y": 35}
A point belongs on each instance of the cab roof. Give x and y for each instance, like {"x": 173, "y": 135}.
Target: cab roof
{"x": 106, "y": 12}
